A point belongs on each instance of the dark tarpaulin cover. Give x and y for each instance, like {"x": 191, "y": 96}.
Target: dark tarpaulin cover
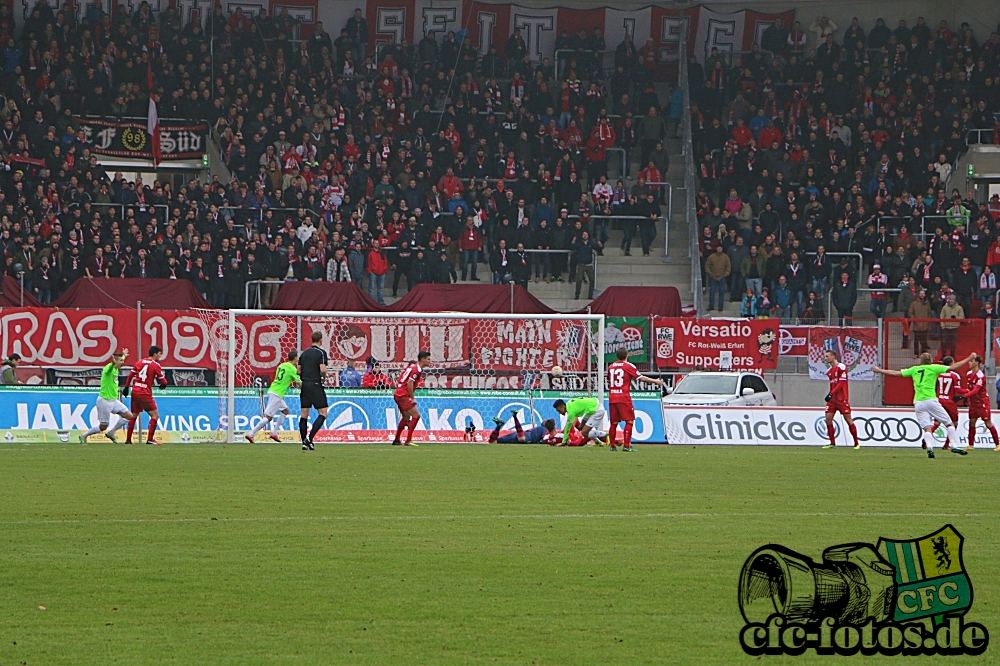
{"x": 477, "y": 298}
{"x": 11, "y": 296}
{"x": 329, "y": 296}
{"x": 637, "y": 302}
{"x": 124, "y": 292}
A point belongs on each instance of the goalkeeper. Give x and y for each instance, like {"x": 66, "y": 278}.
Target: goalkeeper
{"x": 537, "y": 435}
{"x": 589, "y": 414}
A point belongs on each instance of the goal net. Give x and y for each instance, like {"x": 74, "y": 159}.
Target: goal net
{"x": 482, "y": 366}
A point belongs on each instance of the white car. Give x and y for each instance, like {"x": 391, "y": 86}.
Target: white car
{"x": 721, "y": 389}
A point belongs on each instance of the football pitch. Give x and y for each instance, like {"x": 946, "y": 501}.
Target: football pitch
{"x": 446, "y": 554}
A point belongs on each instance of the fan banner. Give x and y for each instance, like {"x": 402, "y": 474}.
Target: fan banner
{"x": 793, "y": 341}
{"x": 857, "y": 348}
{"x": 629, "y": 333}
{"x": 130, "y": 138}
{"x": 392, "y": 21}
{"x": 495, "y": 344}
{"x": 685, "y": 342}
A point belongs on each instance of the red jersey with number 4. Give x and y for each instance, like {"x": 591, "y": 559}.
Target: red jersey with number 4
{"x": 976, "y": 394}
{"x": 620, "y": 376}
{"x": 412, "y": 372}
{"x": 837, "y": 374}
{"x": 947, "y": 385}
{"x": 144, "y": 374}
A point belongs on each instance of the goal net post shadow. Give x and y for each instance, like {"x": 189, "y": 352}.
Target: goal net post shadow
{"x": 475, "y": 360}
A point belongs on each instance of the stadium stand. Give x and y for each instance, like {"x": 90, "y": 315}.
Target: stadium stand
{"x": 340, "y": 162}
{"x": 837, "y": 152}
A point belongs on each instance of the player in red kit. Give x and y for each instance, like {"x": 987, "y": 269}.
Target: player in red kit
{"x": 979, "y": 401}
{"x": 620, "y": 376}
{"x": 838, "y": 399}
{"x": 144, "y": 374}
{"x": 949, "y": 384}
{"x": 408, "y": 382}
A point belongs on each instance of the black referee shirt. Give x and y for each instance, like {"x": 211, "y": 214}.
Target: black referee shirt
{"x": 309, "y": 361}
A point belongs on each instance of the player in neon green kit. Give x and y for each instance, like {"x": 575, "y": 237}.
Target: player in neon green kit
{"x": 276, "y": 409}
{"x": 591, "y": 418}
{"x": 108, "y": 402}
{"x": 925, "y": 400}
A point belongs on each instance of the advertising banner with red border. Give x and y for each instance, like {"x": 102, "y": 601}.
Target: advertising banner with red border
{"x": 685, "y": 342}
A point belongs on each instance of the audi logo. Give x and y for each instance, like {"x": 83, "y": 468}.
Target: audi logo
{"x": 878, "y": 429}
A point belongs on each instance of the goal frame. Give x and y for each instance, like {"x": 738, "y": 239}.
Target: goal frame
{"x": 598, "y": 339}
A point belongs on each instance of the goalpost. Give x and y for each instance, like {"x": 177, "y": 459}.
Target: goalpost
{"x": 482, "y": 366}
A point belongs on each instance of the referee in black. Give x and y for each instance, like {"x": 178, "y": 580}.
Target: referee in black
{"x": 312, "y": 370}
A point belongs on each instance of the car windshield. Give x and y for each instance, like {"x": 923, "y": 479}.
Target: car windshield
{"x": 713, "y": 384}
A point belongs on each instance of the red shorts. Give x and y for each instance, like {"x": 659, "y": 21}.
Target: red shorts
{"x": 951, "y": 408}
{"x": 621, "y": 411}
{"x": 835, "y": 406}
{"x": 404, "y": 402}
{"x": 981, "y": 412}
{"x": 143, "y": 403}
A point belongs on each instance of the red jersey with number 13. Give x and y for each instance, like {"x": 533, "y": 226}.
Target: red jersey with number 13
{"x": 620, "y": 376}
{"x": 144, "y": 374}
{"x": 837, "y": 374}
{"x": 412, "y": 372}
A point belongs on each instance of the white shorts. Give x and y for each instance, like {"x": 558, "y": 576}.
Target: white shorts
{"x": 105, "y": 408}
{"x": 930, "y": 410}
{"x": 596, "y": 420}
{"x": 275, "y": 404}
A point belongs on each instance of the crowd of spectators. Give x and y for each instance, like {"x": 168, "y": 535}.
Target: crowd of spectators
{"x": 816, "y": 149}
{"x": 416, "y": 163}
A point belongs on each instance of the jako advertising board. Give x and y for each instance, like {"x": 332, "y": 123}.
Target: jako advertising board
{"x": 797, "y": 426}
{"x": 32, "y": 414}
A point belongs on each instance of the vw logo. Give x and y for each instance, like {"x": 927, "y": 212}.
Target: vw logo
{"x": 878, "y": 429}
{"x": 524, "y": 415}
{"x": 347, "y": 415}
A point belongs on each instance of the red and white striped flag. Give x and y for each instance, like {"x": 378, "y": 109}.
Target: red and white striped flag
{"x": 153, "y": 120}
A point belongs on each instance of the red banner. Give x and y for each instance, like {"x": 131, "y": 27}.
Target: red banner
{"x": 79, "y": 339}
{"x": 683, "y": 342}
{"x": 495, "y": 344}
{"x": 793, "y": 341}
{"x": 86, "y": 338}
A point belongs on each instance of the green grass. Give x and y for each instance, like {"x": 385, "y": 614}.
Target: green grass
{"x": 442, "y": 554}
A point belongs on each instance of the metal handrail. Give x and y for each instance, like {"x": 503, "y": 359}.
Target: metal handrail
{"x": 246, "y": 290}
{"x": 829, "y": 298}
{"x": 979, "y": 136}
{"x": 690, "y": 184}
{"x": 670, "y": 196}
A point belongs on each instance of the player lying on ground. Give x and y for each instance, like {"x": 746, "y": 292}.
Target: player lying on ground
{"x": 276, "y": 410}
{"x": 108, "y": 404}
{"x": 838, "y": 399}
{"x": 574, "y": 439}
{"x": 620, "y": 376}
{"x": 589, "y": 414}
{"x": 979, "y": 401}
{"x": 145, "y": 373}
{"x": 925, "y": 400}
{"x": 409, "y": 380}
{"x": 537, "y": 435}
